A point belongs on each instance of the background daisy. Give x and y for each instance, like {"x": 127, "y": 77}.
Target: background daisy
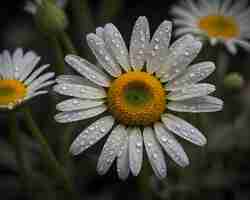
{"x": 19, "y": 81}
{"x": 223, "y": 21}
{"x": 136, "y": 88}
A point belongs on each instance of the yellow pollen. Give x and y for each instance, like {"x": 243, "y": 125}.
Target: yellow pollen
{"x": 11, "y": 92}
{"x": 136, "y": 98}
{"x": 219, "y": 26}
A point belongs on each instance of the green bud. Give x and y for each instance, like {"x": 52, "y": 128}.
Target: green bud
{"x": 234, "y": 81}
{"x": 50, "y": 18}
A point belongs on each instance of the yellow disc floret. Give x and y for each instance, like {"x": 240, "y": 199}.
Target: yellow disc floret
{"x": 224, "y": 27}
{"x": 136, "y": 98}
{"x": 12, "y": 92}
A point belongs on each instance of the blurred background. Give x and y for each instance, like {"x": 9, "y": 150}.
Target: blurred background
{"x": 220, "y": 170}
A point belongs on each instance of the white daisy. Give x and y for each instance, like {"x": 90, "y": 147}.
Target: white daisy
{"x": 17, "y": 82}
{"x": 135, "y": 89}
{"x": 31, "y": 6}
{"x": 219, "y": 20}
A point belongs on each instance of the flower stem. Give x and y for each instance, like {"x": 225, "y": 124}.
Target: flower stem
{"x": 48, "y": 155}
{"x": 144, "y": 183}
{"x": 59, "y": 57}
{"x": 67, "y": 43}
{"x": 15, "y": 140}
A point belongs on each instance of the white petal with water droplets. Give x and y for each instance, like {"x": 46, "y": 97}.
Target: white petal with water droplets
{"x": 171, "y": 145}
{"x": 106, "y": 60}
{"x": 36, "y": 84}
{"x": 197, "y": 105}
{"x": 30, "y": 60}
{"x": 191, "y": 91}
{"x": 139, "y": 43}
{"x": 91, "y": 135}
{"x": 183, "y": 129}
{"x": 78, "y": 104}
{"x": 158, "y": 49}
{"x": 100, "y": 32}
{"x": 155, "y": 154}
{"x": 117, "y": 45}
{"x": 135, "y": 150}
{"x": 80, "y": 91}
{"x": 73, "y": 79}
{"x": 111, "y": 149}
{"x": 123, "y": 159}
{"x": 181, "y": 54}
{"x": 35, "y": 74}
{"x": 88, "y": 70}
{"x": 73, "y": 116}
{"x": 192, "y": 75}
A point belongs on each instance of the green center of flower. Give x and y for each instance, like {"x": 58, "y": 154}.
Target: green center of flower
{"x": 136, "y": 94}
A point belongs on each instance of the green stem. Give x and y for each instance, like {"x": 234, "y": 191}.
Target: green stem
{"x": 59, "y": 56}
{"x": 144, "y": 183}
{"x": 15, "y": 140}
{"x": 107, "y": 12}
{"x": 67, "y": 43}
{"x": 82, "y": 23}
{"x": 48, "y": 155}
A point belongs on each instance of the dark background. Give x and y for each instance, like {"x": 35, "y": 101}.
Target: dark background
{"x": 221, "y": 170}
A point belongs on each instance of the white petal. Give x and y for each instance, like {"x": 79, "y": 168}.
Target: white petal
{"x": 135, "y": 150}
{"x": 117, "y": 45}
{"x": 182, "y": 53}
{"x": 88, "y": 70}
{"x": 35, "y": 74}
{"x": 73, "y": 116}
{"x": 37, "y": 82}
{"x": 111, "y": 149}
{"x": 123, "y": 159}
{"x": 80, "y": 91}
{"x": 33, "y": 94}
{"x": 193, "y": 74}
{"x": 72, "y": 79}
{"x": 155, "y": 154}
{"x": 191, "y": 91}
{"x": 42, "y": 85}
{"x": 243, "y": 44}
{"x": 17, "y": 60}
{"x": 78, "y": 104}
{"x": 171, "y": 145}
{"x": 106, "y": 60}
{"x": 100, "y": 32}
{"x": 7, "y": 63}
{"x": 231, "y": 47}
{"x": 91, "y": 135}
{"x": 197, "y": 105}
{"x": 30, "y": 61}
{"x": 139, "y": 43}
{"x": 183, "y": 129}
{"x": 159, "y": 46}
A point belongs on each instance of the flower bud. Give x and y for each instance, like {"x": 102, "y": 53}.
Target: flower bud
{"x": 233, "y": 81}
{"x": 50, "y": 18}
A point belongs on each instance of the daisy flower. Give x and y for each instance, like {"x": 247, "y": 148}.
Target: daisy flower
{"x": 221, "y": 21}
{"x": 17, "y": 81}
{"x": 134, "y": 91}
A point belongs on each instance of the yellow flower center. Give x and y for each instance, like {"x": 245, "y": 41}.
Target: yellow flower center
{"x": 12, "y": 92}
{"x": 136, "y": 98}
{"x": 219, "y": 26}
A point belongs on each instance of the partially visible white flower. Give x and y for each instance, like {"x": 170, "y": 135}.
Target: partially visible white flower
{"x": 221, "y": 21}
{"x": 31, "y": 6}
{"x": 19, "y": 81}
